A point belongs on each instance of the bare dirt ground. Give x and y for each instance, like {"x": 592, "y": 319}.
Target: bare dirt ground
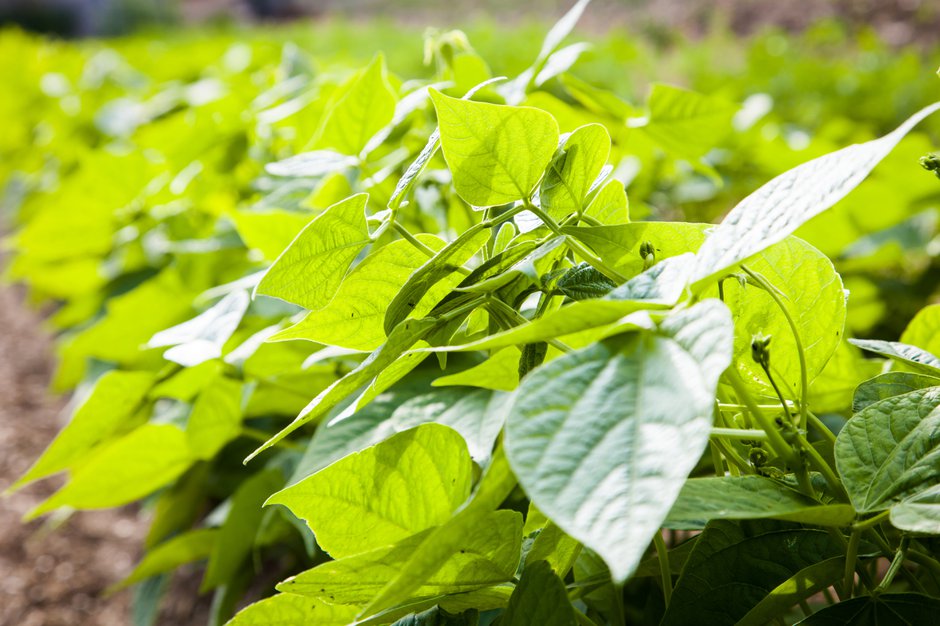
{"x": 56, "y": 576}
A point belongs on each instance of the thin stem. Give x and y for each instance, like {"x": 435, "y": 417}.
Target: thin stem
{"x": 871, "y": 522}
{"x": 589, "y": 220}
{"x": 521, "y": 319}
{"x": 582, "y": 251}
{"x": 736, "y": 464}
{"x": 818, "y": 424}
{"x": 662, "y": 552}
{"x": 738, "y": 433}
{"x": 804, "y": 376}
{"x": 895, "y": 566}
{"x": 851, "y": 558}
{"x": 717, "y": 461}
{"x": 417, "y": 243}
{"x": 780, "y": 447}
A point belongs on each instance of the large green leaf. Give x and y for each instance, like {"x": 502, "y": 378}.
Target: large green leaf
{"x": 539, "y": 598}
{"x": 686, "y": 123}
{"x": 376, "y": 497}
{"x": 573, "y": 170}
{"x": 886, "y": 609}
{"x": 487, "y": 556}
{"x": 907, "y": 355}
{"x": 750, "y": 497}
{"x": 736, "y": 565}
{"x": 112, "y": 401}
{"x": 310, "y": 270}
{"x": 496, "y": 153}
{"x": 285, "y": 609}
{"x": 785, "y": 203}
{"x": 890, "y": 450}
{"x": 813, "y": 295}
{"x": 602, "y": 439}
{"x": 354, "y": 319}
{"x": 889, "y": 385}
{"x": 124, "y": 470}
{"x": 366, "y": 104}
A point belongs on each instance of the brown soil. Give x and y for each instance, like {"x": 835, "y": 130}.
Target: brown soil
{"x": 55, "y": 574}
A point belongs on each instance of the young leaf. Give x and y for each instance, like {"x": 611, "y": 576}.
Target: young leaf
{"x": 216, "y": 417}
{"x": 195, "y": 545}
{"x": 924, "y": 330}
{"x": 354, "y": 319}
{"x": 609, "y": 205}
{"x": 365, "y": 106}
{"x": 497, "y": 153}
{"x": 539, "y": 598}
{"x": 750, "y": 497}
{"x": 602, "y": 439}
{"x": 785, "y": 203}
{"x": 376, "y": 497}
{"x": 310, "y": 270}
{"x": 127, "y": 469}
{"x": 499, "y": 372}
{"x": 686, "y": 123}
{"x": 112, "y": 401}
{"x": 200, "y": 339}
{"x": 573, "y": 170}
{"x": 889, "y": 451}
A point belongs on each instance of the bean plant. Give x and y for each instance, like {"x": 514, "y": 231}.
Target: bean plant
{"x": 528, "y": 407}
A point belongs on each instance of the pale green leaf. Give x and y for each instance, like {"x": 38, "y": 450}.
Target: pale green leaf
{"x": 310, "y": 270}
{"x": 125, "y": 470}
{"x": 573, "y": 170}
{"x": 500, "y": 372}
{"x": 270, "y": 231}
{"x": 376, "y": 497}
{"x": 496, "y": 153}
{"x": 909, "y": 356}
{"x": 924, "y": 330}
{"x": 195, "y": 545}
{"x": 111, "y": 402}
{"x": 285, "y": 609}
{"x": 609, "y": 205}
{"x": 216, "y": 417}
{"x": 686, "y": 123}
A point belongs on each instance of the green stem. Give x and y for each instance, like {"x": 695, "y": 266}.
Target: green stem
{"x": 817, "y": 423}
{"x": 804, "y": 376}
{"x": 738, "y": 433}
{"x": 417, "y": 243}
{"x": 851, "y": 558}
{"x": 662, "y": 552}
{"x": 582, "y": 251}
{"x": 895, "y": 566}
{"x": 780, "y": 447}
{"x": 871, "y": 522}
{"x": 734, "y": 459}
{"x": 583, "y": 619}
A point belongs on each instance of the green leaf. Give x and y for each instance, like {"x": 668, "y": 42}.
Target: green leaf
{"x": 785, "y": 203}
{"x": 310, "y": 270}
{"x": 378, "y": 363}
{"x": 216, "y": 417}
{"x": 686, "y": 123}
{"x": 554, "y": 546}
{"x": 443, "y": 266}
{"x": 890, "y": 450}
{"x": 885, "y": 609}
{"x": 813, "y": 295}
{"x": 924, "y": 330}
{"x": 587, "y": 431}
{"x": 285, "y": 609}
{"x": 496, "y": 153}
{"x": 499, "y": 372}
{"x": 750, "y": 497}
{"x": 236, "y": 537}
{"x": 354, "y": 319}
{"x": 445, "y": 540}
{"x": 609, "y": 205}
{"x": 889, "y": 385}
{"x": 573, "y": 170}
{"x": 539, "y": 598}
{"x": 907, "y": 355}
{"x": 115, "y": 397}
{"x": 124, "y": 470}
{"x": 919, "y": 514}
{"x": 195, "y": 545}
{"x": 366, "y": 104}
{"x": 437, "y": 616}
{"x": 488, "y": 556}
{"x": 736, "y": 565}
{"x": 803, "y": 585}
{"x": 269, "y": 232}
{"x": 376, "y": 497}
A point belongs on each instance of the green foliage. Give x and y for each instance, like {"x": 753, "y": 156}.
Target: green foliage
{"x": 409, "y": 348}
